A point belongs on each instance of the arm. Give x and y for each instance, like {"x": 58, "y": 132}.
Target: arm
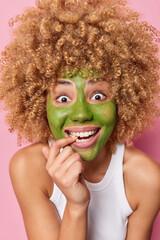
{"x": 142, "y": 179}
{"x": 33, "y": 186}
{"x": 74, "y": 224}
{"x": 65, "y": 168}
{"x": 141, "y": 221}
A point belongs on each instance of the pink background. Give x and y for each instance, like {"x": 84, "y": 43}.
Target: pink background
{"x": 11, "y": 223}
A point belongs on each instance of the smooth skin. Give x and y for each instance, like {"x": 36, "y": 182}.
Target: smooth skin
{"x": 34, "y": 170}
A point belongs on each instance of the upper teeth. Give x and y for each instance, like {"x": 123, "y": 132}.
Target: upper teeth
{"x": 82, "y": 134}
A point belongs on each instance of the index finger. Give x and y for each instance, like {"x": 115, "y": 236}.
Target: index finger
{"x": 63, "y": 142}
{"x": 57, "y": 145}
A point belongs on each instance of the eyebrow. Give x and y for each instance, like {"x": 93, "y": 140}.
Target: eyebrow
{"x": 90, "y": 81}
{"x": 95, "y": 80}
{"x": 61, "y": 82}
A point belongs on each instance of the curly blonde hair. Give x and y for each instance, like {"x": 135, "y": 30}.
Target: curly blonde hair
{"x": 59, "y": 36}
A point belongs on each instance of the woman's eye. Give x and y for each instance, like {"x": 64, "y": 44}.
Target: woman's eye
{"x": 98, "y": 96}
{"x": 63, "y": 99}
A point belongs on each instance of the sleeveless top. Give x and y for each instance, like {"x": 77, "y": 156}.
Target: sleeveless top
{"x": 108, "y": 209}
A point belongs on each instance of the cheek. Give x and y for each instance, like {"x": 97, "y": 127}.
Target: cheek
{"x": 56, "y": 118}
{"x": 105, "y": 113}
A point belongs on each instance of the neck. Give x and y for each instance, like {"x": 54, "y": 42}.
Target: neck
{"x": 95, "y": 170}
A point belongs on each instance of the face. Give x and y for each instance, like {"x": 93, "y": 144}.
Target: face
{"x": 79, "y": 106}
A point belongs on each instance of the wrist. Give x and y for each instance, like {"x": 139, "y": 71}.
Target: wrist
{"x": 77, "y": 209}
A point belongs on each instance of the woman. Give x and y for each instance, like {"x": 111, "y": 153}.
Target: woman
{"x": 81, "y": 74}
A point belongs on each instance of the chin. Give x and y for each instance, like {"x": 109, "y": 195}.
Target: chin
{"x": 87, "y": 155}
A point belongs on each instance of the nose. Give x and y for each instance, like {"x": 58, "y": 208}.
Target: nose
{"x": 81, "y": 113}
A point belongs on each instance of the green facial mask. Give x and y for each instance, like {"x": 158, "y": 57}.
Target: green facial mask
{"x": 82, "y": 113}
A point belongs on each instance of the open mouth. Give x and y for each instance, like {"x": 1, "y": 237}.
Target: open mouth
{"x": 83, "y": 136}
{"x": 86, "y": 136}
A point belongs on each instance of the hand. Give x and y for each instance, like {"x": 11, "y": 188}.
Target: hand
{"x": 66, "y": 169}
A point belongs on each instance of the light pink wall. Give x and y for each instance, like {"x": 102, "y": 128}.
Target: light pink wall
{"x": 11, "y": 224}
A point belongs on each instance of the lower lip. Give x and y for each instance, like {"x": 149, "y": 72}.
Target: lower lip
{"x": 87, "y": 144}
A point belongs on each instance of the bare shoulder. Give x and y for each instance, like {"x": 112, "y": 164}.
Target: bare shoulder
{"x": 28, "y": 166}
{"x": 142, "y": 177}
{"x": 33, "y": 187}
{"x": 139, "y": 165}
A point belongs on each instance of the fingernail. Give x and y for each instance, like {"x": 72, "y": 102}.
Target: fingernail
{"x": 74, "y": 137}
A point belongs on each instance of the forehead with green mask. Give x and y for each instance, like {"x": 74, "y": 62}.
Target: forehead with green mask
{"x": 79, "y": 106}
